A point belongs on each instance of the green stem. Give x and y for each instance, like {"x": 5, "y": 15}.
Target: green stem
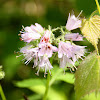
{"x": 55, "y": 76}
{"x": 55, "y": 29}
{"x": 47, "y": 87}
{"x": 98, "y": 7}
{"x": 97, "y": 50}
{"x": 2, "y": 93}
{"x": 93, "y": 13}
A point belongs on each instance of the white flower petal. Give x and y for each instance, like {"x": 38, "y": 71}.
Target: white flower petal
{"x": 74, "y": 37}
{"x": 73, "y": 22}
{"x": 31, "y": 33}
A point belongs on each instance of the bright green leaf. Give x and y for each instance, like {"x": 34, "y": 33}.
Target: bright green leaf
{"x": 68, "y": 77}
{"x": 56, "y": 95}
{"x": 38, "y": 86}
{"x": 87, "y": 76}
{"x": 91, "y": 29}
{"x": 58, "y": 74}
{"x": 52, "y": 93}
{"x": 30, "y": 83}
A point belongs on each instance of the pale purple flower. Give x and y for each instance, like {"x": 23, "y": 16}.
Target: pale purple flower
{"x": 44, "y": 64}
{"x": 37, "y": 28}
{"x": 65, "y": 53}
{"x": 69, "y": 53}
{"x": 32, "y": 33}
{"x": 79, "y": 52}
{"x": 40, "y": 54}
{"x": 65, "y": 49}
{"x": 46, "y": 37}
{"x": 29, "y": 53}
{"x": 28, "y": 37}
{"x": 73, "y": 22}
{"x": 46, "y": 49}
{"x": 65, "y": 61}
{"x": 74, "y": 37}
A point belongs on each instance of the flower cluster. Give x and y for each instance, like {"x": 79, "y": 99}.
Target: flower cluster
{"x": 41, "y": 45}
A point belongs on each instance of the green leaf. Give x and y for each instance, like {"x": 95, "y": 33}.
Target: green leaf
{"x": 58, "y": 74}
{"x": 87, "y": 76}
{"x": 38, "y": 86}
{"x": 67, "y": 77}
{"x": 29, "y": 83}
{"x": 91, "y": 30}
{"x": 56, "y": 95}
{"x": 52, "y": 93}
{"x": 92, "y": 96}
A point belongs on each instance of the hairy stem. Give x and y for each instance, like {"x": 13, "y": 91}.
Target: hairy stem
{"x": 98, "y": 7}
{"x": 47, "y": 87}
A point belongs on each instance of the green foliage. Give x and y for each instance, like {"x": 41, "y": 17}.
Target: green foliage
{"x": 92, "y": 96}
{"x": 36, "y": 85}
{"x": 30, "y": 82}
{"x": 39, "y": 85}
{"x": 87, "y": 76}
{"x": 52, "y": 93}
{"x": 91, "y": 30}
{"x": 58, "y": 74}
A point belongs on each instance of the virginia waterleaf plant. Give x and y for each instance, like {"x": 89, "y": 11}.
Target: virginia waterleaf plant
{"x": 42, "y": 45}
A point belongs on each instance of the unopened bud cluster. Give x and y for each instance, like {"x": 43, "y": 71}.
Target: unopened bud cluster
{"x": 2, "y": 73}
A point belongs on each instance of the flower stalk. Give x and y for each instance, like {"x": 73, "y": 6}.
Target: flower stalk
{"x": 47, "y": 87}
{"x": 98, "y": 6}
{"x": 2, "y": 93}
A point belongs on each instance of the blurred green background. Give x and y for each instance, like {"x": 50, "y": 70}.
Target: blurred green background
{"x": 14, "y": 14}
